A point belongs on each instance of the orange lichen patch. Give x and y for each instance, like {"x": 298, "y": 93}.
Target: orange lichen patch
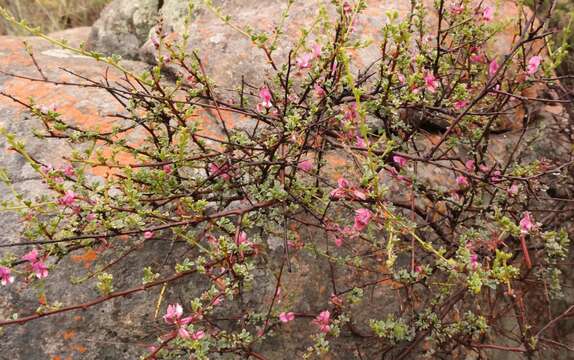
{"x": 336, "y": 165}
{"x": 78, "y": 318}
{"x": 87, "y": 258}
{"x": 207, "y": 124}
{"x": 124, "y": 237}
{"x": 16, "y": 54}
{"x": 65, "y": 102}
{"x": 70, "y": 334}
{"x": 57, "y": 357}
{"x": 79, "y": 348}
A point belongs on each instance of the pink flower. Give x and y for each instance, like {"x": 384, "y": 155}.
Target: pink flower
{"x": 173, "y": 313}
{"x": 513, "y": 189}
{"x": 402, "y": 79}
{"x": 31, "y": 256}
{"x": 305, "y": 165}
{"x": 340, "y": 191}
{"x": 484, "y": 168}
{"x": 338, "y": 241}
{"x": 183, "y": 333}
{"x": 304, "y": 61}
{"x": 148, "y": 235}
{"x": 476, "y": 56}
{"x": 343, "y": 183}
{"x": 265, "y": 96}
{"x": 469, "y": 165}
{"x": 69, "y": 171}
{"x": 198, "y": 335}
{"x": 533, "y": 64}
{"x": 167, "y": 169}
{"x": 526, "y": 224}
{"x": 91, "y": 217}
{"x": 323, "y": 320}
{"x": 474, "y": 261}
{"x": 488, "y": 14}
{"x": 461, "y": 104}
{"x": 317, "y": 50}
{"x": 362, "y": 218}
{"x": 155, "y": 41}
{"x": 351, "y": 112}
{"x": 285, "y": 317}
{"x": 361, "y": 142}
{"x": 462, "y": 181}
{"x": 220, "y": 171}
{"x": 241, "y": 238}
{"x": 68, "y": 199}
{"x": 431, "y": 82}
{"x": 496, "y": 176}
{"x": 457, "y": 9}
{"x": 46, "y": 169}
{"x": 399, "y": 160}
{"x": 319, "y": 91}
{"x": 173, "y": 316}
{"x": 493, "y": 68}
{"x": 360, "y": 195}
{"x": 347, "y": 8}
{"x": 5, "y": 277}
{"x": 40, "y": 269}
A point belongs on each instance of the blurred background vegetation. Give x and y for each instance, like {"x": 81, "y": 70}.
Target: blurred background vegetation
{"x": 52, "y": 15}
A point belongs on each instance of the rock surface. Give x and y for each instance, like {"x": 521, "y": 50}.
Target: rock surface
{"x": 107, "y": 332}
{"x": 124, "y": 26}
{"x": 225, "y": 50}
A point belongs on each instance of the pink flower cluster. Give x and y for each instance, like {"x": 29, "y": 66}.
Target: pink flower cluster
{"x": 323, "y": 321}
{"x": 488, "y": 13}
{"x": 220, "y": 171}
{"x": 38, "y": 267}
{"x": 431, "y": 83}
{"x": 304, "y": 61}
{"x": 533, "y": 65}
{"x": 526, "y": 223}
{"x": 305, "y": 165}
{"x": 286, "y": 317}
{"x": 345, "y": 190}
{"x": 362, "y": 219}
{"x": 400, "y": 161}
{"x": 174, "y": 315}
{"x": 68, "y": 199}
{"x": 5, "y": 276}
{"x": 265, "y": 97}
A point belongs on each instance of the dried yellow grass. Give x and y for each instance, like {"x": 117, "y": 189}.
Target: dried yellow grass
{"x": 52, "y": 15}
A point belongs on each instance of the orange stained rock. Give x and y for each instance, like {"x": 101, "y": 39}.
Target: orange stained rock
{"x": 69, "y": 334}
{"x": 79, "y": 348}
{"x": 87, "y": 258}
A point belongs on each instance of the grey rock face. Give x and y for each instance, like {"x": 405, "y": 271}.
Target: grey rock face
{"x": 124, "y": 26}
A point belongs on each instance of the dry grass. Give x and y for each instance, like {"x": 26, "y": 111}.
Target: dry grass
{"x": 52, "y": 15}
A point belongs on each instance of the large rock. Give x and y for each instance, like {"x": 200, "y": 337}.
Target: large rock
{"x": 124, "y": 26}
{"x": 107, "y": 332}
{"x": 228, "y": 52}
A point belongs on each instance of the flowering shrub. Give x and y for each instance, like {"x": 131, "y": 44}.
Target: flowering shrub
{"x": 384, "y": 174}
